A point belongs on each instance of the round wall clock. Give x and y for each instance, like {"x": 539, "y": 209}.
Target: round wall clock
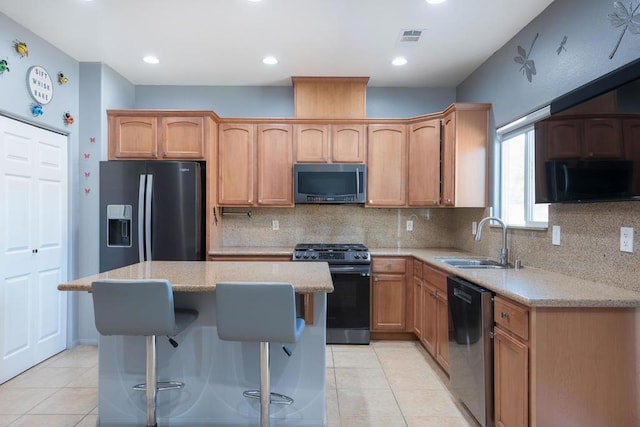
{"x": 40, "y": 85}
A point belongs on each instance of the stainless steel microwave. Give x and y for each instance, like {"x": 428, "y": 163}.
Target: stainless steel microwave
{"x": 330, "y": 182}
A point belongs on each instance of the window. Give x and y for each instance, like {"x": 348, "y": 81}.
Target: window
{"x": 516, "y": 173}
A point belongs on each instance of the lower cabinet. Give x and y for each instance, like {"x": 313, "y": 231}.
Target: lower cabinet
{"x": 389, "y": 295}
{"x": 431, "y": 314}
{"x": 510, "y": 380}
{"x": 511, "y": 363}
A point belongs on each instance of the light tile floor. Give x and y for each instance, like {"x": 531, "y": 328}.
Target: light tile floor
{"x": 387, "y": 383}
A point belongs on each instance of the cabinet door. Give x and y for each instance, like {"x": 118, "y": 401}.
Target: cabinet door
{"x": 133, "y": 138}
{"x": 448, "y": 159}
{"x": 348, "y": 143}
{"x": 235, "y": 165}
{"x": 603, "y": 139}
{"x": 563, "y": 139}
{"x": 389, "y": 300}
{"x": 182, "y": 137}
{"x": 387, "y": 165}
{"x": 511, "y": 366}
{"x": 429, "y": 316}
{"x": 311, "y": 143}
{"x": 442, "y": 332}
{"x": 417, "y": 306}
{"x": 424, "y": 163}
{"x": 275, "y": 165}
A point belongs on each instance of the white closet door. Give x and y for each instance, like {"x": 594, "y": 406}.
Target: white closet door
{"x": 33, "y": 244}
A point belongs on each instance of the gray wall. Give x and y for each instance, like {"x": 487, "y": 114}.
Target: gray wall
{"x": 590, "y": 40}
{"x": 590, "y": 232}
{"x": 101, "y": 88}
{"x": 277, "y": 101}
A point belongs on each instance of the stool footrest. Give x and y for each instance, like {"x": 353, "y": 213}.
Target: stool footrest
{"x": 160, "y": 386}
{"x": 277, "y": 398}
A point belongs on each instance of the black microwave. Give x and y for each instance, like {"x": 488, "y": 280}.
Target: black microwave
{"x": 330, "y": 182}
{"x": 587, "y": 180}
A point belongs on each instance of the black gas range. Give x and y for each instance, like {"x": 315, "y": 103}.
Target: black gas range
{"x": 349, "y": 305}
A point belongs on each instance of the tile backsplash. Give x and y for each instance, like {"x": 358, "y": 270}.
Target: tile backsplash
{"x": 339, "y": 224}
{"x": 589, "y": 249}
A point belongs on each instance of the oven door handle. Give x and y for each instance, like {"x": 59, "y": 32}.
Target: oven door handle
{"x": 349, "y": 269}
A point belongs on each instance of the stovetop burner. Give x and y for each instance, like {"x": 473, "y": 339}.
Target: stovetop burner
{"x": 336, "y": 253}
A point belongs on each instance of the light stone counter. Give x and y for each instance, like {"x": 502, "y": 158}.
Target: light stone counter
{"x": 202, "y": 276}
{"x": 530, "y": 286}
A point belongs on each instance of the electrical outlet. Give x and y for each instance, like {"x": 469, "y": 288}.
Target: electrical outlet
{"x": 409, "y": 225}
{"x": 626, "y": 239}
{"x": 474, "y": 228}
{"x": 275, "y": 224}
{"x": 555, "y": 235}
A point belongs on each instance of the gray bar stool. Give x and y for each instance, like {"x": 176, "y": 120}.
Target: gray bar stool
{"x": 141, "y": 308}
{"x": 259, "y": 312}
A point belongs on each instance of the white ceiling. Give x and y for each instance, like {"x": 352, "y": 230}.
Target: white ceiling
{"x": 222, "y": 42}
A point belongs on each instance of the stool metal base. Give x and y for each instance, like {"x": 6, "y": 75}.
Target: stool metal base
{"x": 276, "y": 398}
{"x": 160, "y": 386}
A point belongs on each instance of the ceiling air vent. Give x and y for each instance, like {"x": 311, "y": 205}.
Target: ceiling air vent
{"x": 410, "y": 36}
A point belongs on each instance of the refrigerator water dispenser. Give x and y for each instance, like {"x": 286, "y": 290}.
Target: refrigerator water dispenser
{"x": 119, "y": 225}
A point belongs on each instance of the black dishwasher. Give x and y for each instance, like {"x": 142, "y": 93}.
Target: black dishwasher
{"x": 471, "y": 347}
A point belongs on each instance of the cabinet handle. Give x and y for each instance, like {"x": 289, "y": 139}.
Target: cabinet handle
{"x": 375, "y": 278}
{"x": 448, "y": 200}
{"x": 34, "y": 251}
{"x": 259, "y": 200}
{"x": 435, "y": 202}
{"x": 504, "y": 315}
{"x": 153, "y": 153}
{"x": 164, "y": 154}
{"x": 370, "y": 201}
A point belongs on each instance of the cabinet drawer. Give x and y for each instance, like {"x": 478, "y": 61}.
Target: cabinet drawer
{"x": 511, "y": 316}
{"x": 417, "y": 268}
{"x": 436, "y": 277}
{"x": 388, "y": 265}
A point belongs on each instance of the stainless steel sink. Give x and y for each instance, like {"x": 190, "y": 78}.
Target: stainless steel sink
{"x": 472, "y": 263}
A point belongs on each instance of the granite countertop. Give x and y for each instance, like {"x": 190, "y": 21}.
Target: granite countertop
{"x": 202, "y": 276}
{"x": 530, "y": 286}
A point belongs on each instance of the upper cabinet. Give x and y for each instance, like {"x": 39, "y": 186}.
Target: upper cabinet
{"x": 255, "y": 165}
{"x": 424, "y": 163}
{"x": 323, "y": 143}
{"x": 387, "y": 165}
{"x": 157, "y": 135}
{"x": 582, "y": 138}
{"x": 464, "y": 155}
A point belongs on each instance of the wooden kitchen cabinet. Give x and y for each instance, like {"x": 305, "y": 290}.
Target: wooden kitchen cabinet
{"x": 582, "y": 138}
{"x": 330, "y": 143}
{"x": 255, "y": 165}
{"x": 424, "y": 163}
{"x": 435, "y": 315}
{"x": 388, "y": 295}
{"x": 157, "y": 135}
{"x": 275, "y": 165}
{"x": 464, "y": 155}
{"x": 236, "y": 149}
{"x": 511, "y": 363}
{"x": 386, "y": 165}
{"x": 417, "y": 298}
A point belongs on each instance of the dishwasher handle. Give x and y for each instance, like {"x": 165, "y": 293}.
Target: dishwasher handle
{"x": 459, "y": 293}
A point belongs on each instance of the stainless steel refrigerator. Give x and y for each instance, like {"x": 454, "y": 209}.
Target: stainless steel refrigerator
{"x": 151, "y": 210}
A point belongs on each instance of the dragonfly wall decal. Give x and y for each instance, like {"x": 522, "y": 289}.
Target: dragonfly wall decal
{"x": 528, "y": 67}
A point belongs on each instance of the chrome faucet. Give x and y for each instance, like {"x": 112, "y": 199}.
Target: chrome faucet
{"x": 504, "y": 252}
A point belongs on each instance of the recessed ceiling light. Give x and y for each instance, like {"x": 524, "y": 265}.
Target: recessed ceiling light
{"x": 150, "y": 59}
{"x": 435, "y": 1}
{"x": 399, "y": 61}
{"x": 269, "y": 60}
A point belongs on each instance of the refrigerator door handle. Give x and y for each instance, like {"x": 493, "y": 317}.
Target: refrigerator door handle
{"x": 147, "y": 217}
{"x": 141, "y": 219}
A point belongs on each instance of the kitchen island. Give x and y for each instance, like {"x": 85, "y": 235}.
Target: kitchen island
{"x": 215, "y": 372}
